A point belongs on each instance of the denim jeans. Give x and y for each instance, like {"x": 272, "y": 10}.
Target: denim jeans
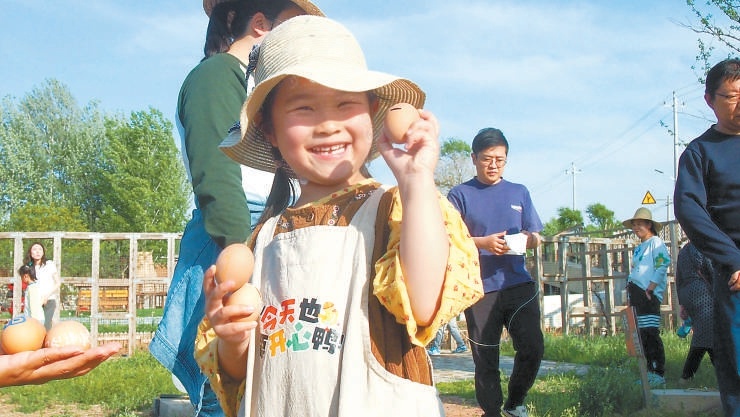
{"x": 174, "y": 341}
{"x": 454, "y": 332}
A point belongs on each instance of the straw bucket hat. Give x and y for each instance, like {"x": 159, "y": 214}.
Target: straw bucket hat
{"x": 306, "y": 5}
{"x": 325, "y": 52}
{"x": 643, "y": 214}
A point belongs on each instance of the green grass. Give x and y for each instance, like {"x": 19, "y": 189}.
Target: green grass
{"x": 127, "y": 386}
{"x": 120, "y": 385}
{"x": 609, "y": 389}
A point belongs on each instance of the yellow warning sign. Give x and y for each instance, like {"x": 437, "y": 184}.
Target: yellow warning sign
{"x": 648, "y": 199}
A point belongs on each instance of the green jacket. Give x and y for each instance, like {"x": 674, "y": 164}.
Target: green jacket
{"x": 209, "y": 103}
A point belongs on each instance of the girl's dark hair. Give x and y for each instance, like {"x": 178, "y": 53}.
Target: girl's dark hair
{"x": 27, "y": 270}
{"x": 230, "y": 20}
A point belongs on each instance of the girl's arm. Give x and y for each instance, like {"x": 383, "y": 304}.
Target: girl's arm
{"x": 424, "y": 246}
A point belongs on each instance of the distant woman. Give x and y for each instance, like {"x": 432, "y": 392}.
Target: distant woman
{"x": 645, "y": 288}
{"x": 48, "y": 281}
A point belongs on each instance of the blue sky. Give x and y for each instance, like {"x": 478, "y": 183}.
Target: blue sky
{"x": 568, "y": 82}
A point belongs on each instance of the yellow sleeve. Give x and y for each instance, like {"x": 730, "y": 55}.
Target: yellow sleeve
{"x": 462, "y": 284}
{"x": 228, "y": 391}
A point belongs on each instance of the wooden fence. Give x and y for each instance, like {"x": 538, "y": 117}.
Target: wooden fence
{"x": 594, "y": 271}
{"x": 109, "y": 275}
{"x": 105, "y": 275}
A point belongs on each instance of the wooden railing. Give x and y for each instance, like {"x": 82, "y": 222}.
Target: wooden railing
{"x": 113, "y": 283}
{"x": 132, "y": 276}
{"x": 597, "y": 269}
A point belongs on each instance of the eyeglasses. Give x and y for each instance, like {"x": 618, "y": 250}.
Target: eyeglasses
{"x": 500, "y": 162}
{"x": 729, "y": 98}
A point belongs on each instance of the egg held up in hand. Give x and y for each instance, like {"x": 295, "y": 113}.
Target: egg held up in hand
{"x": 68, "y": 333}
{"x": 235, "y": 263}
{"x": 22, "y": 334}
{"x": 247, "y": 295}
{"x": 398, "y": 120}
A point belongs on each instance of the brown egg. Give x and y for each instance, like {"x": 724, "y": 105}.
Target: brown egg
{"x": 235, "y": 263}
{"x": 22, "y": 334}
{"x": 68, "y": 333}
{"x": 247, "y": 295}
{"x": 398, "y": 120}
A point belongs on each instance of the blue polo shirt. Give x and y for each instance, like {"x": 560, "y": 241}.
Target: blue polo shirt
{"x": 488, "y": 209}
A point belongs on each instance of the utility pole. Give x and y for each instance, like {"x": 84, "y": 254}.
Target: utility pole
{"x": 573, "y": 171}
{"x": 675, "y": 139}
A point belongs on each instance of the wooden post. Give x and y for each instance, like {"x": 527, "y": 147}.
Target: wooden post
{"x": 536, "y": 253}
{"x": 562, "y": 253}
{"x": 634, "y": 349}
{"x": 132, "y": 271}
{"x": 94, "y": 289}
{"x": 58, "y": 261}
{"x": 17, "y": 284}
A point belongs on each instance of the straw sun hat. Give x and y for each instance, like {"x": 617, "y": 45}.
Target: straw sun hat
{"x": 306, "y": 5}
{"x": 643, "y": 214}
{"x": 325, "y": 52}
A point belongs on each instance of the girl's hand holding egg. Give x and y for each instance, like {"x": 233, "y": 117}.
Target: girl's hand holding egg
{"x": 236, "y": 263}
{"x": 398, "y": 120}
{"x": 247, "y": 295}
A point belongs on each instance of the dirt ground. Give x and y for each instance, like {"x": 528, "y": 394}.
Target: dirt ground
{"x": 454, "y": 407}
{"x": 460, "y": 407}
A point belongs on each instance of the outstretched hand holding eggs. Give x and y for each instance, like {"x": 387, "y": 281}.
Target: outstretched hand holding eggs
{"x": 418, "y": 130}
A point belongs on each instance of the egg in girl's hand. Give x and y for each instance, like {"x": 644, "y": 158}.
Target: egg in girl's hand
{"x": 398, "y": 120}
{"x": 247, "y": 295}
{"x": 235, "y": 263}
{"x": 68, "y": 333}
{"x": 22, "y": 334}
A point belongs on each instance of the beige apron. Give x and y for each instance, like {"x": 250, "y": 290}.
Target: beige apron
{"x": 314, "y": 359}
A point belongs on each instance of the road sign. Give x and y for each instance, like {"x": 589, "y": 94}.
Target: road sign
{"x": 648, "y": 199}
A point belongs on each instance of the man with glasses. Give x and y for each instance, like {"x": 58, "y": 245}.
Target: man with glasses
{"x": 707, "y": 205}
{"x": 504, "y": 224}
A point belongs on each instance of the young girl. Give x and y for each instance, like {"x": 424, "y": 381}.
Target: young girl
{"x": 31, "y": 294}
{"x": 356, "y": 277}
{"x": 645, "y": 287}
{"x": 228, "y": 198}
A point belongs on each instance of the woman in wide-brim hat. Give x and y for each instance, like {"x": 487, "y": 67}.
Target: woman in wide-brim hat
{"x": 227, "y": 196}
{"x": 645, "y": 288}
{"x": 356, "y": 322}
{"x": 644, "y": 214}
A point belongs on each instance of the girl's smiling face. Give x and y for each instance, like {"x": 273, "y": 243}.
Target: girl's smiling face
{"x": 324, "y": 135}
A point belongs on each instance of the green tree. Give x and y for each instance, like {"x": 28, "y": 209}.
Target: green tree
{"x": 48, "y": 147}
{"x": 145, "y": 183}
{"x": 718, "y": 20}
{"x": 112, "y": 174}
{"x": 601, "y": 217}
{"x": 567, "y": 219}
{"x": 455, "y": 166}
{"x": 46, "y": 218}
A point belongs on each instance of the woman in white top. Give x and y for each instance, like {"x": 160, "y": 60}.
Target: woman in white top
{"x": 47, "y": 278}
